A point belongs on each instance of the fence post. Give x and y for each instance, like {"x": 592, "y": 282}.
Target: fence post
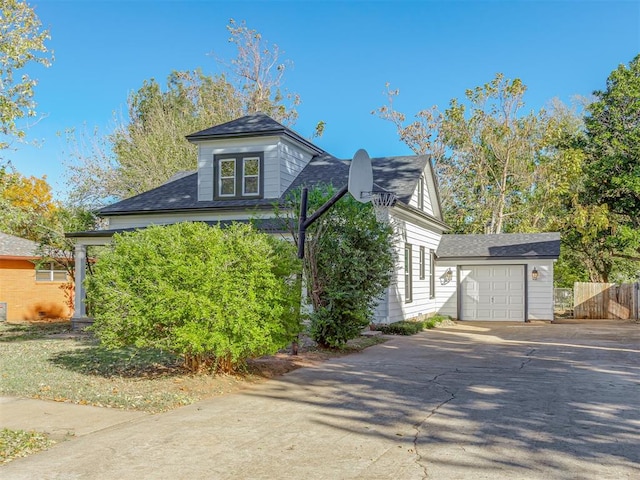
{"x": 637, "y": 300}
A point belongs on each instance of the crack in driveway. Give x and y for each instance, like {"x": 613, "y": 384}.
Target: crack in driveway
{"x": 529, "y": 358}
{"x": 418, "y": 427}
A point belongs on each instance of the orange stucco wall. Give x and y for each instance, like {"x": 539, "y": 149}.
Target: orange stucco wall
{"x": 27, "y": 299}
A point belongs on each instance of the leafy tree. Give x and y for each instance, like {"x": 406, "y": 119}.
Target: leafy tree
{"x": 492, "y": 160}
{"x": 150, "y": 146}
{"x": 612, "y": 164}
{"x": 349, "y": 261}
{"x": 27, "y": 204}
{"x": 216, "y": 297}
{"x": 145, "y": 152}
{"x": 22, "y": 43}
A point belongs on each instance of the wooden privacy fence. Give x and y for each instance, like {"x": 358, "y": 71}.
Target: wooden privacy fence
{"x": 606, "y": 300}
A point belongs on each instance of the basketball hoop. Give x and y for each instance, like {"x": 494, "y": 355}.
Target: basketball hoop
{"x": 382, "y": 202}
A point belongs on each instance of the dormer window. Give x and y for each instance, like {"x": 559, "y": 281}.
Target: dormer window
{"x": 251, "y": 176}
{"x": 421, "y": 193}
{"x": 239, "y": 176}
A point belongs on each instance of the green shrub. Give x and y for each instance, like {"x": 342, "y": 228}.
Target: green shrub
{"x": 434, "y": 321}
{"x": 407, "y": 327}
{"x": 403, "y": 327}
{"x": 215, "y": 297}
{"x": 349, "y": 262}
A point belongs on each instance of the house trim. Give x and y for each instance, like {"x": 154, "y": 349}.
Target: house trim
{"x": 284, "y": 132}
{"x": 407, "y": 212}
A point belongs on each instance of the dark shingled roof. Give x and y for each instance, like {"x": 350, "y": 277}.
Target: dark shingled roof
{"x": 180, "y": 194}
{"x": 255, "y": 125}
{"x": 504, "y": 245}
{"x": 394, "y": 174}
{"x": 12, "y": 246}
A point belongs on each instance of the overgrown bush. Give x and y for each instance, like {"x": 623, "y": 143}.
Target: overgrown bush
{"x": 214, "y": 296}
{"x": 349, "y": 262}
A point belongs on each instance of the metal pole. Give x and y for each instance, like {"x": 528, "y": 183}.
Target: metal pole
{"x": 302, "y": 229}
{"x": 306, "y": 222}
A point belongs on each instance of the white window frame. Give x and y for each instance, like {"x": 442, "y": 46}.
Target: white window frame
{"x": 422, "y": 262}
{"x": 256, "y": 176}
{"x": 432, "y": 273}
{"x": 234, "y": 177}
{"x": 421, "y": 193}
{"x": 408, "y": 273}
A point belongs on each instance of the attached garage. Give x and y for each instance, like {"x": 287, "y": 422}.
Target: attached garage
{"x": 503, "y": 277}
{"x": 492, "y": 292}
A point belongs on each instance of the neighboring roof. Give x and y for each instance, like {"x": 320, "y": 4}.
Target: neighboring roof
{"x": 255, "y": 125}
{"x": 12, "y": 246}
{"x": 499, "y": 246}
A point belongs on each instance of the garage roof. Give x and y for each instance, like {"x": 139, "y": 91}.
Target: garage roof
{"x": 500, "y": 246}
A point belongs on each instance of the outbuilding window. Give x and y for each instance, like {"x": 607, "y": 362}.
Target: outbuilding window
{"x": 239, "y": 176}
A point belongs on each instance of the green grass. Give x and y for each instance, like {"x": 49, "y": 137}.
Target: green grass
{"x": 18, "y": 443}
{"x": 37, "y": 362}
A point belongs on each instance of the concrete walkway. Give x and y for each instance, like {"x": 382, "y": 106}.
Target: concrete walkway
{"x": 472, "y": 401}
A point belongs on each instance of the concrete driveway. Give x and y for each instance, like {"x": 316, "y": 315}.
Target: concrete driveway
{"x": 471, "y": 401}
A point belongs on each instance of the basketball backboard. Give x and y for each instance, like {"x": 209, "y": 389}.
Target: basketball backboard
{"x": 361, "y": 177}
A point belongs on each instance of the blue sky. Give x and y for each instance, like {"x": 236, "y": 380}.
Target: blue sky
{"x": 343, "y": 53}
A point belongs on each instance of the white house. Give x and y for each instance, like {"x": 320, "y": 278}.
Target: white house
{"x": 247, "y": 165}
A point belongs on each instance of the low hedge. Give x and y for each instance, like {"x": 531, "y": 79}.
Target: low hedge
{"x": 408, "y": 327}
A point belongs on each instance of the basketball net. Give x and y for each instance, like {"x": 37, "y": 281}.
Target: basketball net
{"x": 382, "y": 202}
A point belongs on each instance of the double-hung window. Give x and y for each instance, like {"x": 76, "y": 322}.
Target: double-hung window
{"x": 421, "y": 193}
{"x": 251, "y": 176}
{"x": 432, "y": 274}
{"x": 422, "y": 262}
{"x": 227, "y": 177}
{"x": 408, "y": 274}
{"x": 239, "y": 176}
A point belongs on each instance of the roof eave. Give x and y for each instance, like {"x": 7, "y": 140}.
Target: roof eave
{"x": 486, "y": 257}
{"x": 244, "y": 208}
{"x": 20, "y": 257}
{"x": 267, "y": 133}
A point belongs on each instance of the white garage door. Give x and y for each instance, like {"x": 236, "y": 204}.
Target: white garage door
{"x": 492, "y": 292}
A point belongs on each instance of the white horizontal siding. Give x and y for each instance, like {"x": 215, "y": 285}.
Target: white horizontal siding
{"x": 427, "y": 195}
{"x": 422, "y": 304}
{"x": 292, "y": 160}
{"x": 446, "y": 292}
{"x": 541, "y": 290}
